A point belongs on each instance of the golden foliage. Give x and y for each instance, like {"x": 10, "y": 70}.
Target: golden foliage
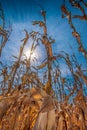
{"x": 35, "y": 110}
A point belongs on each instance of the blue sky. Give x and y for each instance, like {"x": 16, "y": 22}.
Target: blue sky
{"x": 21, "y": 13}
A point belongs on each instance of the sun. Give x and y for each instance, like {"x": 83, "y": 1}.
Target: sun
{"x": 36, "y": 55}
{"x": 28, "y": 54}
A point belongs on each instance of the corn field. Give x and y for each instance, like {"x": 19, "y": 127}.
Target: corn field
{"x": 39, "y": 97}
